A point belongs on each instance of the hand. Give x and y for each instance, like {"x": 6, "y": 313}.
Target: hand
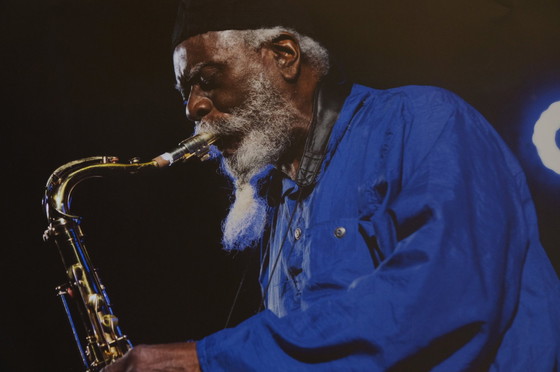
{"x": 166, "y": 357}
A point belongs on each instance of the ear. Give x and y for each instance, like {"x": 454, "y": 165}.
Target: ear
{"x": 286, "y": 55}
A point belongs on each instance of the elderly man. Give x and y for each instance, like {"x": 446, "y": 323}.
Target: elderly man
{"x": 396, "y": 229}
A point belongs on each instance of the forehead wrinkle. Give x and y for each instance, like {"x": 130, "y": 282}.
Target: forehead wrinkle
{"x": 210, "y": 49}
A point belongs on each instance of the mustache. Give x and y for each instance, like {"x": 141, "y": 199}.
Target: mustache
{"x": 231, "y": 126}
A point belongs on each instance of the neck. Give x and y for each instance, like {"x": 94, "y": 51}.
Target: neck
{"x": 289, "y": 162}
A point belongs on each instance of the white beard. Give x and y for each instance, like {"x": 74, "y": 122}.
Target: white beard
{"x": 246, "y": 220}
{"x": 264, "y": 123}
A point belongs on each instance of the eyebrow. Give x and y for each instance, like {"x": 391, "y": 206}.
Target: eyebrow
{"x": 187, "y": 79}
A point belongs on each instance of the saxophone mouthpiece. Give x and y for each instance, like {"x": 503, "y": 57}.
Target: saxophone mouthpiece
{"x": 197, "y": 145}
{"x": 163, "y": 160}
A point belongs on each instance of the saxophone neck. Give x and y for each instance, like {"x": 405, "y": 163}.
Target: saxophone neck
{"x": 60, "y": 185}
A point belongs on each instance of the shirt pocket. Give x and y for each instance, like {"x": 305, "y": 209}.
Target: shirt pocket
{"x": 335, "y": 256}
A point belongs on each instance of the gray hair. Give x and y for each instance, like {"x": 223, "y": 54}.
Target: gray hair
{"x": 311, "y": 50}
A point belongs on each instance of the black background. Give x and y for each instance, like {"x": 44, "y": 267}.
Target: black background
{"x": 83, "y": 77}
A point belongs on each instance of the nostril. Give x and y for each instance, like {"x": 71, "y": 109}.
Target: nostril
{"x": 198, "y": 108}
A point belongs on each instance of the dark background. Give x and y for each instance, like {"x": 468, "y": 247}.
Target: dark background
{"x": 83, "y": 77}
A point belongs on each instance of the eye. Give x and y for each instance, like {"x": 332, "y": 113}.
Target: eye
{"x": 209, "y": 78}
{"x": 206, "y": 82}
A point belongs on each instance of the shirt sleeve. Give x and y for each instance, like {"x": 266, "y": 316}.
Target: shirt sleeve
{"x": 453, "y": 234}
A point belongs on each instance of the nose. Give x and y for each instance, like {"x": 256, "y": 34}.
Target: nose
{"x": 198, "y": 106}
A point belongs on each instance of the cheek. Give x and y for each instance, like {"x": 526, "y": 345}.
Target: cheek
{"x": 227, "y": 100}
{"x": 234, "y": 90}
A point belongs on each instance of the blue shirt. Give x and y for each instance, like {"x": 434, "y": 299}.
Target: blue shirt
{"x": 417, "y": 249}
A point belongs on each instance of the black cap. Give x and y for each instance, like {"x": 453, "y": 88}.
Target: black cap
{"x": 197, "y": 17}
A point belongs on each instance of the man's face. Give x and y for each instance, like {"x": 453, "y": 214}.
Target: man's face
{"x": 229, "y": 93}
{"x": 213, "y": 81}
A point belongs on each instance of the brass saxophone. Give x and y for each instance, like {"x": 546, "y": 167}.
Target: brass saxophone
{"x": 97, "y": 334}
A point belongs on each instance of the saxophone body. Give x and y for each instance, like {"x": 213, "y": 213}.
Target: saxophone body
{"x": 85, "y": 300}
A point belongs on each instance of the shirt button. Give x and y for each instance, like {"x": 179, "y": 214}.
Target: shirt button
{"x": 339, "y": 232}
{"x": 297, "y": 233}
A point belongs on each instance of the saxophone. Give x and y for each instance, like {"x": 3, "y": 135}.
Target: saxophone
{"x": 97, "y": 334}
